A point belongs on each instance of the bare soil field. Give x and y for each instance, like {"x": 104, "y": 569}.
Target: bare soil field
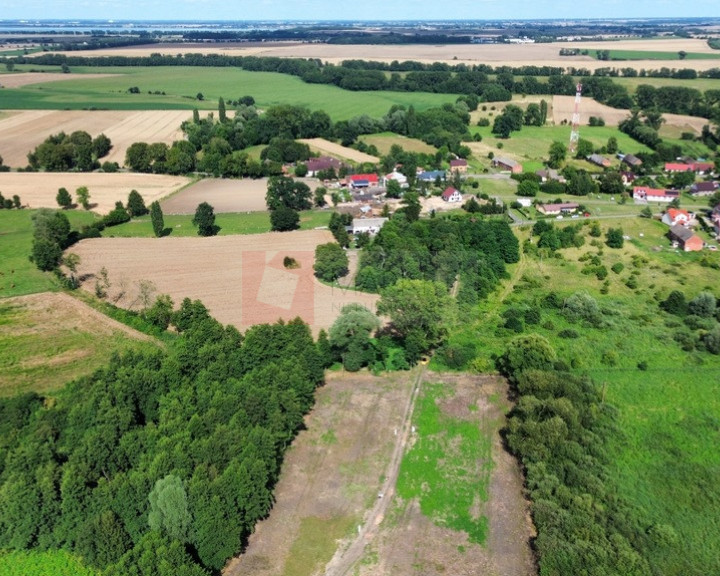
{"x": 508, "y": 54}
{"x": 563, "y": 107}
{"x": 23, "y": 130}
{"x": 330, "y": 476}
{"x": 52, "y": 338}
{"x": 226, "y": 196}
{"x": 20, "y": 79}
{"x": 326, "y": 147}
{"x": 241, "y": 279}
{"x": 38, "y": 189}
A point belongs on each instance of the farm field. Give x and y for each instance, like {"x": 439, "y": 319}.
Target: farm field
{"x": 182, "y": 85}
{"x": 17, "y": 274}
{"x": 508, "y": 54}
{"x": 51, "y": 338}
{"x": 224, "y": 195}
{"x": 386, "y": 140}
{"x": 327, "y": 147}
{"x": 241, "y": 279}
{"x": 22, "y": 131}
{"x": 19, "y": 79}
{"x": 38, "y": 189}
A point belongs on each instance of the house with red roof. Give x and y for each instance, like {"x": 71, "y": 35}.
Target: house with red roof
{"x": 677, "y": 167}
{"x": 507, "y": 164}
{"x": 686, "y": 239}
{"x": 676, "y": 217}
{"x": 452, "y": 195}
{"x": 363, "y": 180}
{"x": 702, "y": 167}
{"x": 645, "y": 194}
{"x": 459, "y": 165}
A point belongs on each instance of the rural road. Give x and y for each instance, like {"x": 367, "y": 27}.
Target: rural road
{"x": 345, "y": 558}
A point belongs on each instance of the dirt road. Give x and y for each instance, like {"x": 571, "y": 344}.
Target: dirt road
{"x": 346, "y": 558}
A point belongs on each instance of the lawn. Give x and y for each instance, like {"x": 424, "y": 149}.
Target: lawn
{"x": 183, "y": 84}
{"x": 17, "y": 274}
{"x": 447, "y": 469}
{"x": 54, "y": 563}
{"x": 230, "y": 224}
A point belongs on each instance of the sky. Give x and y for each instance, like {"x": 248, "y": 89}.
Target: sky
{"x": 351, "y": 9}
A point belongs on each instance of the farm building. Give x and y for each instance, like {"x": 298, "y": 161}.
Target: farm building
{"x": 507, "y": 164}
{"x": 677, "y": 167}
{"x": 451, "y": 195}
{"x": 704, "y": 189}
{"x": 690, "y": 165}
{"x": 686, "y": 238}
{"x": 369, "y": 225}
{"x": 645, "y": 194}
{"x": 676, "y": 217}
{"x": 555, "y": 209}
{"x": 459, "y": 165}
{"x": 322, "y": 164}
{"x": 550, "y": 174}
{"x": 363, "y": 180}
{"x": 631, "y": 160}
{"x": 398, "y": 177}
{"x": 431, "y": 176}
{"x": 599, "y": 160}
{"x": 524, "y": 202}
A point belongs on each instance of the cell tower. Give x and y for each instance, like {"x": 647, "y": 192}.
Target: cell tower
{"x": 575, "y": 132}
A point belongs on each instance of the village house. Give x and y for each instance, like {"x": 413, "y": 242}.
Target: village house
{"x": 363, "y": 180}
{"x": 599, "y": 160}
{"x": 690, "y": 165}
{"x": 367, "y": 225}
{"x": 459, "y": 165}
{"x": 627, "y": 178}
{"x": 676, "y": 217}
{"x": 557, "y": 209}
{"x": 703, "y": 189}
{"x": 677, "y": 167}
{"x": 507, "y": 164}
{"x": 631, "y": 160}
{"x": 550, "y": 174}
{"x": 686, "y": 238}
{"x": 398, "y": 177}
{"x": 322, "y": 164}
{"x": 451, "y": 195}
{"x": 645, "y": 194}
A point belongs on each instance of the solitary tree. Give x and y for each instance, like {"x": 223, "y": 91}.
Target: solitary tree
{"x": 63, "y": 198}
{"x": 136, "y": 204}
{"x": 331, "y": 262}
{"x": 284, "y": 219}
{"x": 350, "y": 335}
{"x": 222, "y": 115}
{"x": 204, "y": 219}
{"x": 156, "y": 217}
{"x": 557, "y": 154}
{"x": 83, "y": 197}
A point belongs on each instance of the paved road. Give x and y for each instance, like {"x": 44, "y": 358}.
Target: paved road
{"x": 346, "y": 558}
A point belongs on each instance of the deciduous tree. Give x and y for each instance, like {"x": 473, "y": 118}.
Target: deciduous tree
{"x": 204, "y": 219}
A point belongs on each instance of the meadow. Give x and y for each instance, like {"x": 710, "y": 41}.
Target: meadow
{"x": 182, "y": 85}
{"x": 654, "y": 55}
{"x": 57, "y": 563}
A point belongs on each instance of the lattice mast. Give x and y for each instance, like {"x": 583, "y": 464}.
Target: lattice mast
{"x": 575, "y": 132}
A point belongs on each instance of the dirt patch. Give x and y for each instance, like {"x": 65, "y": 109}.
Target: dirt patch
{"x": 564, "y": 106}
{"x": 241, "y": 279}
{"x": 24, "y": 130}
{"x": 21, "y": 79}
{"x": 38, "y": 189}
{"x": 326, "y": 147}
{"x": 226, "y": 196}
{"x": 409, "y": 543}
{"x": 332, "y": 473}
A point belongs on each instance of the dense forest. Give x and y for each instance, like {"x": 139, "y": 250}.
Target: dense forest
{"x": 162, "y": 462}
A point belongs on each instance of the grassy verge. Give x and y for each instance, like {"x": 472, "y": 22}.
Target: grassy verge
{"x": 448, "y": 467}
{"x": 317, "y": 543}
{"x": 17, "y": 274}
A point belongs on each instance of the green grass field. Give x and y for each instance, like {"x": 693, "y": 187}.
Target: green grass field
{"x": 17, "y": 274}
{"x": 385, "y": 140}
{"x": 448, "y": 468}
{"x": 653, "y": 55}
{"x": 182, "y": 84}
{"x": 231, "y": 223}
{"x": 56, "y": 563}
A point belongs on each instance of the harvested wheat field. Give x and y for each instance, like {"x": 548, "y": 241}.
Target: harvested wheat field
{"x": 38, "y": 189}
{"x": 563, "y": 107}
{"x": 326, "y": 147}
{"x": 51, "y": 338}
{"x": 20, "y": 79}
{"x": 23, "y": 130}
{"x": 241, "y": 279}
{"x": 225, "y": 195}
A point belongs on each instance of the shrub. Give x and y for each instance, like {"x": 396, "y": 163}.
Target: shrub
{"x": 618, "y": 267}
{"x": 582, "y": 307}
{"x": 704, "y": 305}
{"x": 568, "y": 333}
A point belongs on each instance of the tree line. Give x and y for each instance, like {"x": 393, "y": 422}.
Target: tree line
{"x": 161, "y": 462}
